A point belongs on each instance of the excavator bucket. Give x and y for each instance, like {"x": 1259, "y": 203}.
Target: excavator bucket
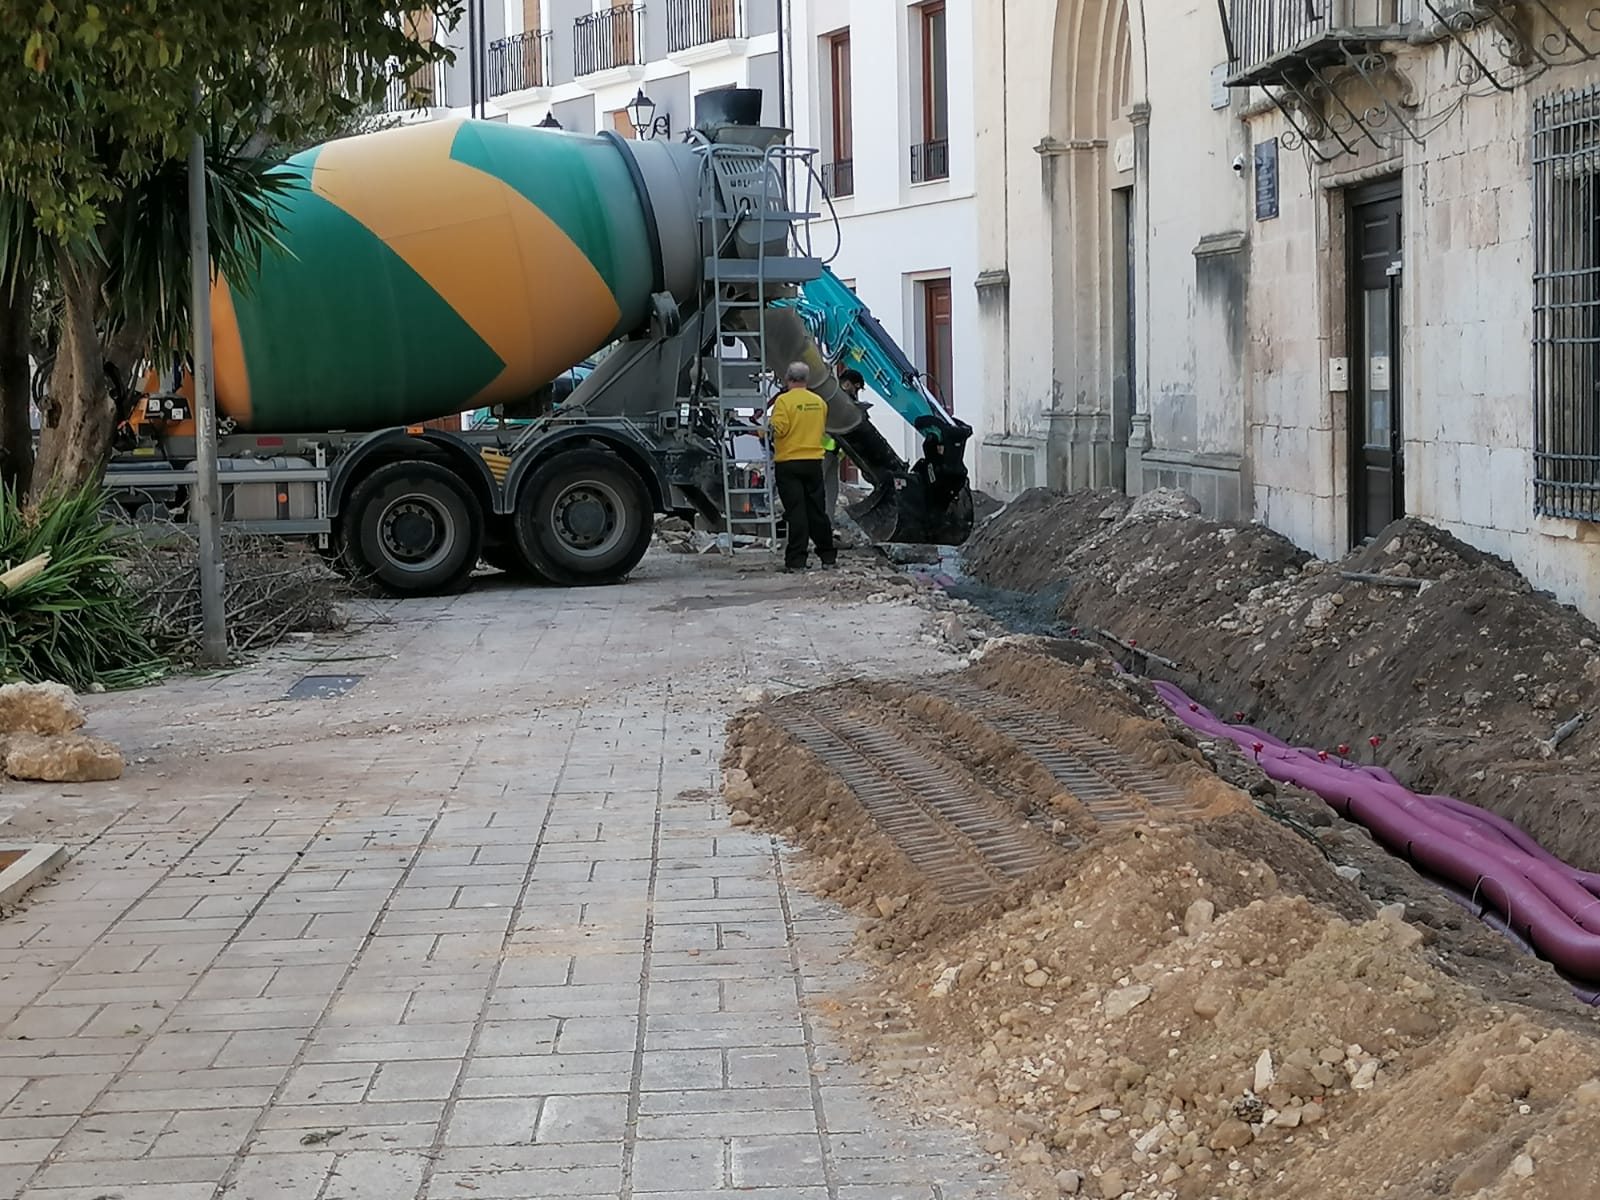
{"x": 929, "y": 504}
{"x": 905, "y": 515}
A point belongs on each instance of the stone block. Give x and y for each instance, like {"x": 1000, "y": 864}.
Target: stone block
{"x": 1510, "y": 489}
{"x": 1473, "y": 474}
{"x": 584, "y": 1119}
{"x": 70, "y": 758}
{"x": 48, "y": 709}
{"x": 504, "y": 1122}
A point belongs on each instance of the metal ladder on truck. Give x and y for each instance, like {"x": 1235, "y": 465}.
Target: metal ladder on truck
{"x": 747, "y": 189}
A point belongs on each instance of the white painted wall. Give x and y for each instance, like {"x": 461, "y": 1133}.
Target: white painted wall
{"x": 894, "y": 232}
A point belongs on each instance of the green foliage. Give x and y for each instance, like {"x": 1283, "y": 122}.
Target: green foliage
{"x": 77, "y": 622}
{"x": 98, "y": 96}
{"x": 146, "y": 244}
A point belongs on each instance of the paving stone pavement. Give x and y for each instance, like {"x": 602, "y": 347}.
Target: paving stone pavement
{"x": 478, "y": 928}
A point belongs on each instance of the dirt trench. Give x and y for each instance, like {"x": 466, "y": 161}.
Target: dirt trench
{"x": 1103, "y": 956}
{"x": 1453, "y": 661}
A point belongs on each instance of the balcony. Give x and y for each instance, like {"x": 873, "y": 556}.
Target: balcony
{"x": 1328, "y": 67}
{"x": 1267, "y": 38}
{"x": 839, "y": 178}
{"x": 422, "y": 89}
{"x": 695, "y": 23}
{"x": 604, "y": 41}
{"x": 519, "y": 62}
{"x": 930, "y": 161}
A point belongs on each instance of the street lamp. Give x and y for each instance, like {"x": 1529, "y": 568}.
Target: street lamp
{"x": 549, "y": 121}
{"x": 641, "y": 111}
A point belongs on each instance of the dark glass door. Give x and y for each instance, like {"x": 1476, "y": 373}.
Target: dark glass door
{"x": 1377, "y": 485}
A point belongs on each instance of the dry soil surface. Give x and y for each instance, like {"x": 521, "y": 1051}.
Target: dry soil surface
{"x": 1103, "y": 956}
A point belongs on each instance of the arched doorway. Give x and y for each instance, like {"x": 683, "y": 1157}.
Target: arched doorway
{"x": 1089, "y": 182}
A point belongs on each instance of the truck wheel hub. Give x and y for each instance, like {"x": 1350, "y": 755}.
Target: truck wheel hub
{"x": 412, "y": 531}
{"x": 586, "y": 517}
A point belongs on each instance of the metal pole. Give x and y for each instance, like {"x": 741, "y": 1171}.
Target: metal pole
{"x": 206, "y": 499}
{"x": 783, "y": 60}
{"x": 472, "y": 57}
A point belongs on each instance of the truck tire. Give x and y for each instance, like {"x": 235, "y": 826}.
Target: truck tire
{"x": 414, "y": 528}
{"x": 584, "y": 518}
{"x": 504, "y": 556}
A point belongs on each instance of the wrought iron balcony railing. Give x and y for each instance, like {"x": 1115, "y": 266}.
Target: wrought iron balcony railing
{"x": 692, "y": 23}
{"x": 1261, "y": 32}
{"x": 839, "y": 178}
{"x": 612, "y": 38}
{"x": 519, "y": 62}
{"x": 422, "y": 88}
{"x": 930, "y": 161}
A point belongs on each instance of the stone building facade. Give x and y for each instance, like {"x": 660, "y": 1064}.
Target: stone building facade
{"x": 1322, "y": 265}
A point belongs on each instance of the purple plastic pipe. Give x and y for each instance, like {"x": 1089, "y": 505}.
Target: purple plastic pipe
{"x": 1549, "y": 903}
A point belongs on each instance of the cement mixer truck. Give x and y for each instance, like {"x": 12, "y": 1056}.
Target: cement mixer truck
{"x": 459, "y": 265}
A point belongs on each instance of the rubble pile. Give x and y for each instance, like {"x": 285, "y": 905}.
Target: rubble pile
{"x": 1172, "y": 1022}
{"x": 1025, "y": 547}
{"x": 40, "y": 737}
{"x": 1472, "y": 683}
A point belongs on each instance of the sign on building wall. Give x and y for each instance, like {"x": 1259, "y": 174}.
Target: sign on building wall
{"x": 1267, "y": 180}
{"x": 1221, "y": 96}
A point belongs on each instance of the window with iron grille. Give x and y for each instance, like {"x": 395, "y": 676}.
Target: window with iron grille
{"x": 930, "y": 158}
{"x": 1566, "y": 306}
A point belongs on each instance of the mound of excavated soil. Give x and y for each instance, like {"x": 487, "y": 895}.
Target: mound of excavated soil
{"x": 1026, "y": 546}
{"x": 1464, "y": 679}
{"x": 1178, "y": 1006}
{"x": 1201, "y": 1033}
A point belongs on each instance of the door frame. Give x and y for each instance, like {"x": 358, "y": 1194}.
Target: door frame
{"x": 938, "y": 285}
{"x": 1390, "y": 187}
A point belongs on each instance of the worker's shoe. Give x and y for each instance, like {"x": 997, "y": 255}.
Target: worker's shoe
{"x": 830, "y": 564}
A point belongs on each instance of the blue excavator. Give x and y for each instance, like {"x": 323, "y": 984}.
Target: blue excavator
{"x": 928, "y": 502}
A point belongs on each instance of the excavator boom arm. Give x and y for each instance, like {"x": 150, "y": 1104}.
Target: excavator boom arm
{"x": 930, "y": 502}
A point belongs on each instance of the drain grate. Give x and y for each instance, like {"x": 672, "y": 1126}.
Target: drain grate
{"x": 323, "y": 687}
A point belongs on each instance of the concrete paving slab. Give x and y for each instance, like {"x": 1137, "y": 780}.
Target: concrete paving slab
{"x": 476, "y": 926}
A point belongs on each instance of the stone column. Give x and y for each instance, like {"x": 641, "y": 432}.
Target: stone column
{"x": 1139, "y": 433}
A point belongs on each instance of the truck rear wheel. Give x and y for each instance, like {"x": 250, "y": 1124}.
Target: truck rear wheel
{"x": 584, "y": 518}
{"x": 503, "y": 555}
{"x": 413, "y": 528}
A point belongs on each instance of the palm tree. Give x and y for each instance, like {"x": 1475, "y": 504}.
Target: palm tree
{"x": 128, "y": 301}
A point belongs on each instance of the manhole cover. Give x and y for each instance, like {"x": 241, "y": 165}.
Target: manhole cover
{"x": 323, "y": 687}
{"x": 22, "y": 865}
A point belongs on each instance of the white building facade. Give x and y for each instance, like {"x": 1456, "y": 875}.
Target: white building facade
{"x": 1322, "y": 266}
{"x": 883, "y": 88}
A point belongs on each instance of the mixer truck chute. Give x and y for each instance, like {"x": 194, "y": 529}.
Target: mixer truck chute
{"x": 454, "y": 266}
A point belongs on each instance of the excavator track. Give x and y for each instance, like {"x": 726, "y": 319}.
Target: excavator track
{"x": 1100, "y": 777}
{"x": 962, "y": 842}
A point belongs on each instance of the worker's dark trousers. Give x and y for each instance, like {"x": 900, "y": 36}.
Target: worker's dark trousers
{"x": 805, "y": 507}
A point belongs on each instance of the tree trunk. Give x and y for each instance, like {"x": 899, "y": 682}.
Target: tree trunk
{"x": 126, "y": 351}
{"x": 80, "y": 417}
{"x": 16, "y": 428}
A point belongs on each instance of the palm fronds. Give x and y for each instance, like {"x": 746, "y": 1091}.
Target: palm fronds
{"x": 72, "y": 619}
{"x": 146, "y": 243}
